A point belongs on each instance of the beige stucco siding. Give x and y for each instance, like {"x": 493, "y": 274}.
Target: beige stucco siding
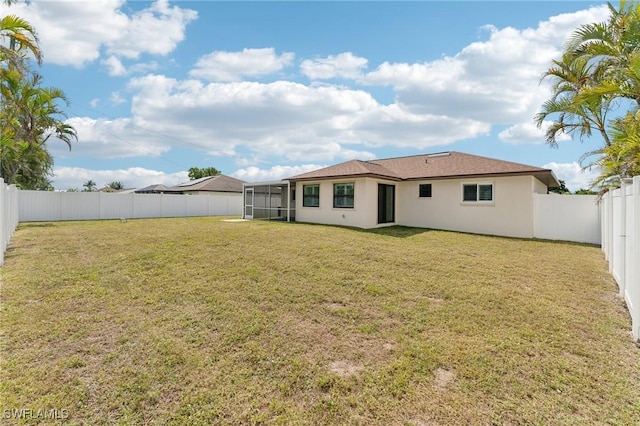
{"x": 364, "y": 214}
{"x": 539, "y": 187}
{"x": 510, "y": 214}
{"x": 325, "y": 213}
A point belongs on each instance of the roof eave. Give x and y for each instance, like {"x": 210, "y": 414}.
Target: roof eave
{"x": 345, "y": 176}
{"x": 544, "y": 175}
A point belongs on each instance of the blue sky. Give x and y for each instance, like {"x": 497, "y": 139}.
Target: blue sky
{"x": 265, "y": 90}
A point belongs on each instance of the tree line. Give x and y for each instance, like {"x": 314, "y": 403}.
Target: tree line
{"x": 30, "y": 113}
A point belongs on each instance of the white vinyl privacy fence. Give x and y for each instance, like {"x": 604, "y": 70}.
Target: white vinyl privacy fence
{"x": 620, "y": 240}
{"x": 8, "y": 215}
{"x": 36, "y": 206}
{"x": 567, "y": 217}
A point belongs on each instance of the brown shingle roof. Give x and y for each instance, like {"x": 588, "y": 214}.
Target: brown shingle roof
{"x": 350, "y": 168}
{"x": 219, "y": 183}
{"x": 152, "y": 188}
{"x": 429, "y": 166}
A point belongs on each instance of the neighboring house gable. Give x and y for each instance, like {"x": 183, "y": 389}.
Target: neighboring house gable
{"x": 208, "y": 185}
{"x": 152, "y": 189}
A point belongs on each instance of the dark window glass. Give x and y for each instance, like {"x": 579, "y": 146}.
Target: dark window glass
{"x": 425, "y": 190}
{"x": 311, "y": 195}
{"x": 485, "y": 192}
{"x": 343, "y": 195}
{"x": 470, "y": 193}
{"x": 475, "y": 192}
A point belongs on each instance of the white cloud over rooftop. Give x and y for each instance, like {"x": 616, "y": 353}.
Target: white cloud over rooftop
{"x": 574, "y": 176}
{"x": 133, "y": 177}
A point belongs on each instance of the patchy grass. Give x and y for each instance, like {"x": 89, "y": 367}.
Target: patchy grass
{"x": 199, "y": 321}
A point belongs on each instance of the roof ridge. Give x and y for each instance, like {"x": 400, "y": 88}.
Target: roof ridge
{"x": 504, "y": 161}
{"x": 415, "y": 155}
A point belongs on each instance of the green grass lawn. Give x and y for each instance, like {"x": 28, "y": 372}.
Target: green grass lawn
{"x": 199, "y": 321}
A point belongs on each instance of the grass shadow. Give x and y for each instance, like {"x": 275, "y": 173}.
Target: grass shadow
{"x": 36, "y": 225}
{"x": 396, "y": 231}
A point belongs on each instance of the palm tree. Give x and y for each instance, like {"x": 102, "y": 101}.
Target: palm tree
{"x": 89, "y": 185}
{"x": 115, "y": 185}
{"x": 600, "y": 69}
{"x": 621, "y": 159}
{"x": 29, "y": 116}
{"x": 21, "y": 37}
{"x": 609, "y": 43}
{"x": 572, "y": 77}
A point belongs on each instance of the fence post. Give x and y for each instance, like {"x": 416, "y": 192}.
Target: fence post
{"x": 623, "y": 234}
{"x": 610, "y": 238}
{"x": 3, "y": 219}
{"x": 634, "y": 276}
{"x": 9, "y": 215}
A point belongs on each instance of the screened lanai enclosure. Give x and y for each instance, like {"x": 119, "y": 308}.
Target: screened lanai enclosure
{"x": 269, "y": 201}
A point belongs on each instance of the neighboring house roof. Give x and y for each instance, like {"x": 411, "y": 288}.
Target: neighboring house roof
{"x": 219, "y": 183}
{"x": 116, "y": 191}
{"x": 430, "y": 166}
{"x": 152, "y": 189}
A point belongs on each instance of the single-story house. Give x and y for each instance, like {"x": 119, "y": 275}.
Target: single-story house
{"x": 152, "y": 189}
{"x": 446, "y": 190}
{"x": 209, "y": 185}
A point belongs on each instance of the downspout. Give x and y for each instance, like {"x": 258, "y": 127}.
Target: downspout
{"x": 288, "y": 201}
{"x": 244, "y": 197}
{"x": 623, "y": 235}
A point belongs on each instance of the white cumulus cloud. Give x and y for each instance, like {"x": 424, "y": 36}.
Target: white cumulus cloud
{"x": 528, "y": 133}
{"x": 235, "y": 66}
{"x": 255, "y": 174}
{"x": 75, "y": 32}
{"x": 134, "y": 177}
{"x": 114, "y": 66}
{"x": 573, "y": 175}
{"x": 496, "y": 80}
{"x": 104, "y": 138}
{"x": 344, "y": 65}
{"x": 288, "y": 120}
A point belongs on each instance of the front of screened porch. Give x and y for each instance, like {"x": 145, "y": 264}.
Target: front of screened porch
{"x": 269, "y": 201}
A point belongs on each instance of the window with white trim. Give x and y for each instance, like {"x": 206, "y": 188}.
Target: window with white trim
{"x": 477, "y": 192}
{"x": 343, "y": 195}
